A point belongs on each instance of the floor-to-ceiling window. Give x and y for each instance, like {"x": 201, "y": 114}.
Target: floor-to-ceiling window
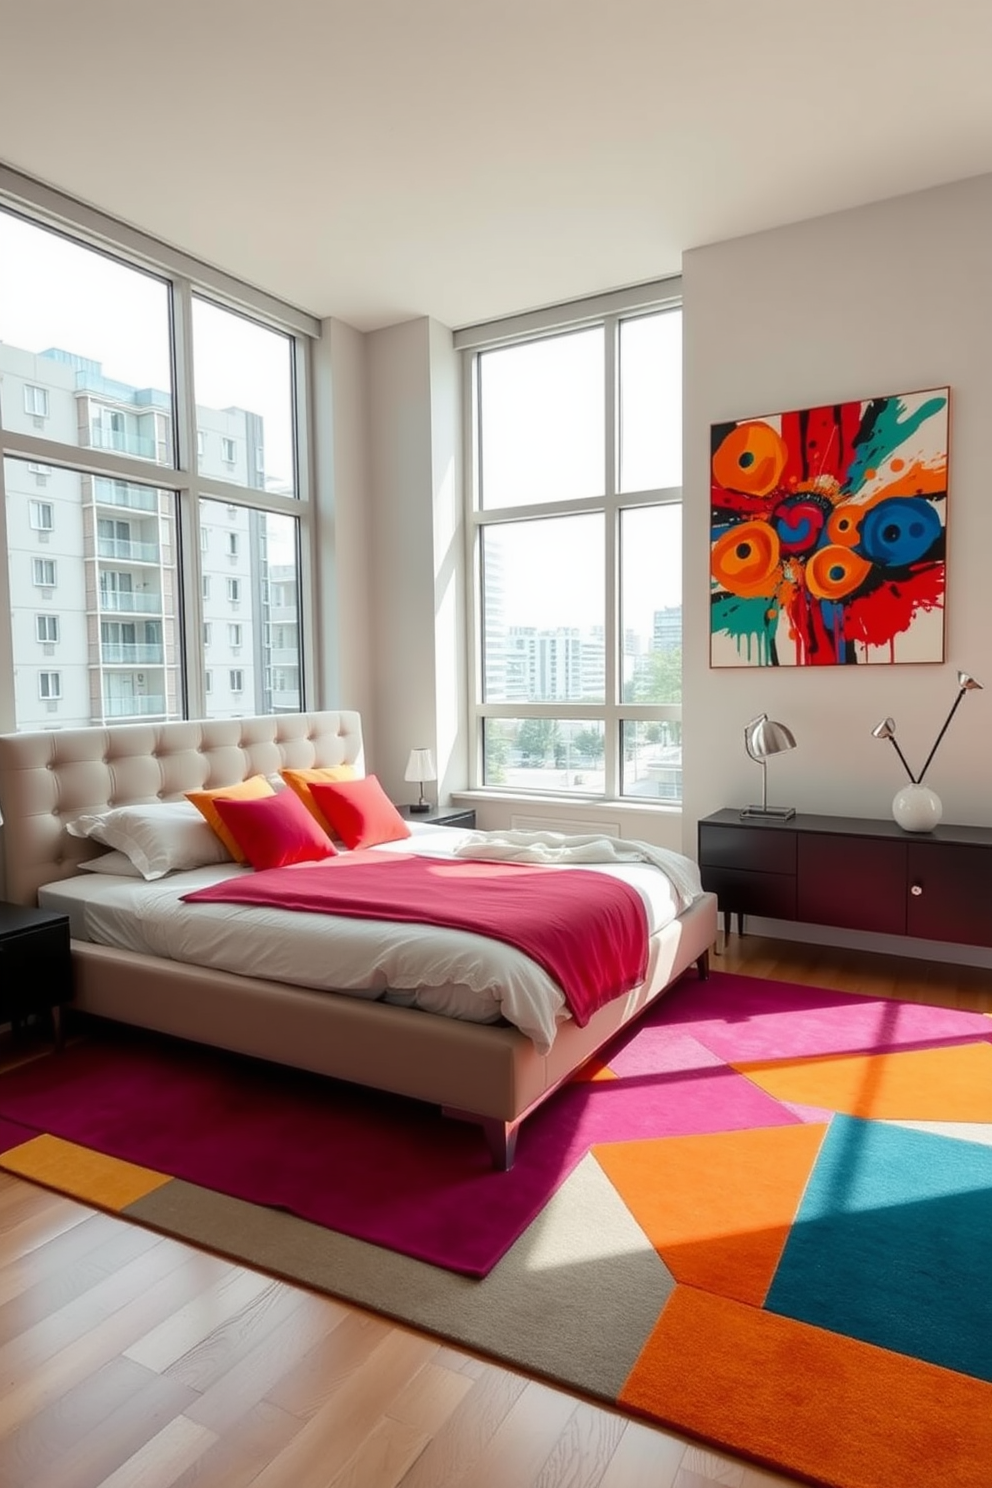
{"x": 154, "y": 478}
{"x": 574, "y": 482}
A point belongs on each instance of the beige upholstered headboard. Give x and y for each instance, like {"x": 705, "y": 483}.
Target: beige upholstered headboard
{"x": 51, "y": 776}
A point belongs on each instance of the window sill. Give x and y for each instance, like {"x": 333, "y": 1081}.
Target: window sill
{"x": 586, "y": 805}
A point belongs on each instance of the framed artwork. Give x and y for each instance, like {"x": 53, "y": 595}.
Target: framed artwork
{"x": 827, "y": 534}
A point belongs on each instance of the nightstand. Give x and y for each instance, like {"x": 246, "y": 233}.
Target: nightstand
{"x": 452, "y": 816}
{"x": 35, "y": 964}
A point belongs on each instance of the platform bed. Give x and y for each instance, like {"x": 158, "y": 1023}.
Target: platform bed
{"x": 491, "y": 1074}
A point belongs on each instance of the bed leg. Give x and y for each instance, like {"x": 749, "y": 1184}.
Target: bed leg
{"x": 501, "y": 1136}
{"x": 703, "y": 965}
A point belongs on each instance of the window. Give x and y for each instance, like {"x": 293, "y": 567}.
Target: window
{"x": 35, "y": 401}
{"x": 574, "y": 491}
{"x": 208, "y": 681}
{"x": 237, "y": 679}
{"x": 234, "y": 591}
{"x": 42, "y": 516}
{"x": 50, "y": 686}
{"x": 207, "y": 632}
{"x": 234, "y": 634}
{"x": 232, "y": 544}
{"x": 204, "y": 538}
{"x": 46, "y": 629}
{"x": 205, "y": 587}
{"x": 96, "y": 329}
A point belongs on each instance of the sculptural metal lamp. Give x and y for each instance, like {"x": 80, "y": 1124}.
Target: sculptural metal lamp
{"x": 420, "y": 767}
{"x": 916, "y": 807}
{"x": 762, "y": 738}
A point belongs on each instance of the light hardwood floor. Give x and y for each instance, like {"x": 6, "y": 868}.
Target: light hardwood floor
{"x": 133, "y": 1361}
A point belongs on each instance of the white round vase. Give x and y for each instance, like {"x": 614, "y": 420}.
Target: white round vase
{"x": 916, "y": 808}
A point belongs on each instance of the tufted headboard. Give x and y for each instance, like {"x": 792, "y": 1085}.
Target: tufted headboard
{"x": 48, "y": 777}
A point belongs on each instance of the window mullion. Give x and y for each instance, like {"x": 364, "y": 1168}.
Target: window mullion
{"x": 612, "y": 558}
{"x": 192, "y": 660}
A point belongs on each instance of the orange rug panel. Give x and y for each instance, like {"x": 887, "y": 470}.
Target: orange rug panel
{"x": 717, "y": 1208}
{"x": 811, "y": 1402}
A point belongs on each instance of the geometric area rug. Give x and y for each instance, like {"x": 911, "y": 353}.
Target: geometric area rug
{"x": 763, "y": 1218}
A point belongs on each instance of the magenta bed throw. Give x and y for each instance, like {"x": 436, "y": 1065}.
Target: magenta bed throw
{"x": 587, "y": 930}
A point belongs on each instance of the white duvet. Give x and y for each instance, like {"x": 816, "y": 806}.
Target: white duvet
{"x": 440, "y": 970}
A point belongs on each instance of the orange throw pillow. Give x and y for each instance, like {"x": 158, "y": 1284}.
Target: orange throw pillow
{"x": 252, "y": 789}
{"x": 360, "y": 812}
{"x": 275, "y": 831}
{"x": 301, "y": 780}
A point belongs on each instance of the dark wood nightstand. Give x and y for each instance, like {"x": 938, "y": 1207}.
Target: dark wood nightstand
{"x": 35, "y": 964}
{"x": 452, "y": 816}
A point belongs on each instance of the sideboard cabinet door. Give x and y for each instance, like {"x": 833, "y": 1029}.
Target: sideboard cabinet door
{"x": 950, "y": 892}
{"x": 857, "y": 882}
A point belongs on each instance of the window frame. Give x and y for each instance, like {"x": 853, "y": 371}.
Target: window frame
{"x": 185, "y": 277}
{"x": 51, "y": 696}
{"x": 609, "y": 311}
{"x": 45, "y": 620}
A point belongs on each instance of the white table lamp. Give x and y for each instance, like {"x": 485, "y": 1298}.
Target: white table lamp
{"x": 420, "y": 767}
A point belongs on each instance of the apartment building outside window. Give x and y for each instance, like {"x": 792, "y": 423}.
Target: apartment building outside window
{"x": 89, "y": 361}
{"x": 574, "y": 508}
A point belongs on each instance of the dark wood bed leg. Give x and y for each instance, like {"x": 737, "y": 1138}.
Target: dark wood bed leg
{"x": 703, "y": 966}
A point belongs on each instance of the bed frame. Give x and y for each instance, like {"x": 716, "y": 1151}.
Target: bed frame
{"x": 491, "y": 1074}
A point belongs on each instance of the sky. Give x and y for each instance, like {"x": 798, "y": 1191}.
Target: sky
{"x": 55, "y": 293}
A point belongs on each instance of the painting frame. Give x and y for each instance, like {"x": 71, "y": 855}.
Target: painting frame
{"x": 828, "y": 533}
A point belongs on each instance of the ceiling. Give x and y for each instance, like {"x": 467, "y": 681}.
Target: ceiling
{"x": 377, "y": 160}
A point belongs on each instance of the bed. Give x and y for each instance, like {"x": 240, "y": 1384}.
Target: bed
{"x": 491, "y": 1072}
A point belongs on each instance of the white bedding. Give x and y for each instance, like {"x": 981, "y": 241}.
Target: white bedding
{"x": 440, "y": 970}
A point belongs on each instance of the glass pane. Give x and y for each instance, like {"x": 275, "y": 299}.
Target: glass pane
{"x": 651, "y": 603}
{"x": 652, "y": 759}
{"x": 541, "y": 420}
{"x": 651, "y": 402}
{"x": 543, "y": 586}
{"x": 84, "y": 346}
{"x": 94, "y": 599}
{"x": 251, "y": 604}
{"x": 243, "y": 375}
{"x": 544, "y": 754}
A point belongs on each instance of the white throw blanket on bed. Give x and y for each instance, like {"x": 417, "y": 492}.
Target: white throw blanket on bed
{"x": 562, "y": 847}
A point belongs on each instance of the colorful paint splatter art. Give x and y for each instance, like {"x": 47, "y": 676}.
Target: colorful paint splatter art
{"x": 828, "y": 534}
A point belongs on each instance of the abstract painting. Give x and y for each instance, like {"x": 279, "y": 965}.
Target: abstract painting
{"x": 828, "y": 531}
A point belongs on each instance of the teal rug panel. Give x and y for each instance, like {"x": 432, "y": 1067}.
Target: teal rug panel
{"x": 892, "y": 1244}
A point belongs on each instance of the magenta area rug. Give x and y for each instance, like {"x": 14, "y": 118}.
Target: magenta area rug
{"x": 396, "y": 1172}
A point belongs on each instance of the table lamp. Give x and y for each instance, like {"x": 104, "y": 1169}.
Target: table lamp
{"x": 763, "y": 737}
{"x": 420, "y": 767}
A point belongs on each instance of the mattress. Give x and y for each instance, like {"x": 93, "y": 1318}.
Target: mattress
{"x": 439, "y": 970}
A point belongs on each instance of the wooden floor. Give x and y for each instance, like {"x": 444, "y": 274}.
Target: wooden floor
{"x": 133, "y": 1361}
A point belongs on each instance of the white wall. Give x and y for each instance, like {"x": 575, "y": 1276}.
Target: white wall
{"x": 883, "y": 299}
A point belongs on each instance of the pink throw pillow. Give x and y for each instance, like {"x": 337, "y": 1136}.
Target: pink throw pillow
{"x": 275, "y": 830}
{"x": 359, "y": 811}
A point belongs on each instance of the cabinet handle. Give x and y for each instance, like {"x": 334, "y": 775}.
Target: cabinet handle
{"x": 916, "y": 889}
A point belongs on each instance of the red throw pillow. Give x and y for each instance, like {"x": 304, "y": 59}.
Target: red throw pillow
{"x": 359, "y": 811}
{"x": 275, "y": 830}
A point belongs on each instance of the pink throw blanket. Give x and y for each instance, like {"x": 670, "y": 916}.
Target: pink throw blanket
{"x": 587, "y": 930}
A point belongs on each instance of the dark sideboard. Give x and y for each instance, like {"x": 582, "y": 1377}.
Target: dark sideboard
{"x": 851, "y": 873}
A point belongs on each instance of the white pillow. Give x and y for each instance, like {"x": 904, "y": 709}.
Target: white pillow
{"x": 158, "y": 839}
{"x": 111, "y": 862}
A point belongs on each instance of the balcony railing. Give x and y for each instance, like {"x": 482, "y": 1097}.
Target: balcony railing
{"x": 133, "y": 707}
{"x": 133, "y": 498}
{"x": 122, "y": 442}
{"x": 129, "y": 603}
{"x": 124, "y": 652}
{"x": 120, "y": 547}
